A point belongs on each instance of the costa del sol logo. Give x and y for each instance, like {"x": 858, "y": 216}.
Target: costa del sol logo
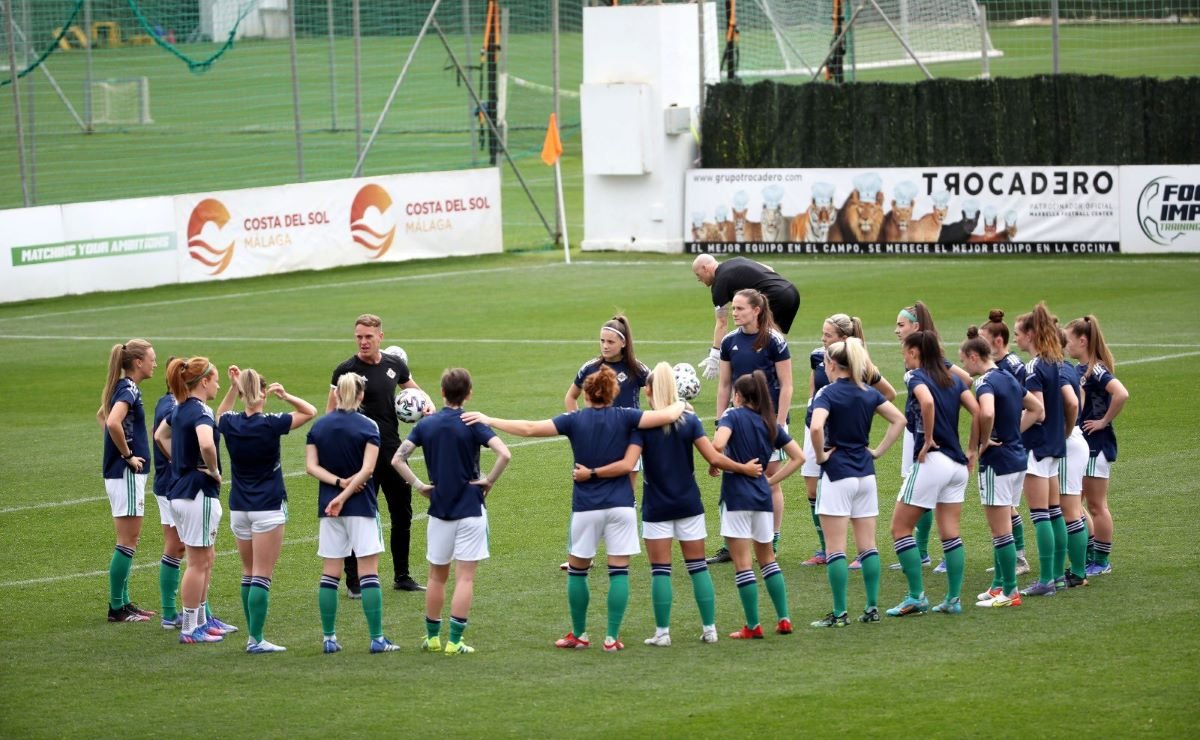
{"x": 214, "y": 256}
{"x": 1168, "y": 210}
{"x": 372, "y": 226}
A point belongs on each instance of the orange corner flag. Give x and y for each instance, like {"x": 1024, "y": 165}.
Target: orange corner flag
{"x": 552, "y": 147}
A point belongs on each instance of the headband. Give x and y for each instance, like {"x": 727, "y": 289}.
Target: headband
{"x": 909, "y": 315}
{"x": 614, "y": 331}
{"x": 208, "y": 369}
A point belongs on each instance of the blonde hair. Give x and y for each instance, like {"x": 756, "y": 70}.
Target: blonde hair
{"x": 852, "y": 355}
{"x": 252, "y": 387}
{"x": 120, "y": 361}
{"x": 184, "y": 374}
{"x": 369, "y": 319}
{"x": 846, "y": 326}
{"x": 663, "y": 391}
{"x": 349, "y": 387}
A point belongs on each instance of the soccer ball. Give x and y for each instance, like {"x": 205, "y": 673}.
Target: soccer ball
{"x": 687, "y": 383}
{"x": 397, "y": 351}
{"x": 410, "y": 405}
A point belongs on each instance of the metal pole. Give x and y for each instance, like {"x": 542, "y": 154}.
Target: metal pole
{"x": 387, "y": 106}
{"x": 30, "y": 54}
{"x": 295, "y": 91}
{"x": 45, "y": 68}
{"x": 700, "y": 35}
{"x": 472, "y": 119}
{"x": 986, "y": 71}
{"x": 903, "y": 41}
{"x": 332, "y": 66}
{"x": 555, "y": 81}
{"x": 16, "y": 93}
{"x": 355, "y": 21}
{"x": 492, "y": 125}
{"x": 1054, "y": 37}
{"x": 88, "y": 119}
{"x": 501, "y": 88}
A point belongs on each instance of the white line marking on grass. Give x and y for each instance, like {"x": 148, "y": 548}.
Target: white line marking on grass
{"x": 1160, "y": 358}
{"x": 327, "y": 340}
{"x": 152, "y": 564}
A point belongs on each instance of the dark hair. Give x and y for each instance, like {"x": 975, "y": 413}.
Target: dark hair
{"x": 1098, "y": 351}
{"x": 456, "y": 385}
{"x": 932, "y": 360}
{"x": 601, "y": 386}
{"x": 756, "y": 396}
{"x": 924, "y": 318}
{"x": 766, "y": 320}
{"x": 977, "y": 344}
{"x": 995, "y": 325}
{"x": 620, "y": 324}
{"x": 1044, "y": 328}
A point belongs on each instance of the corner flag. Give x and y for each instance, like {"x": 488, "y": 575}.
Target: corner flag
{"x": 552, "y": 147}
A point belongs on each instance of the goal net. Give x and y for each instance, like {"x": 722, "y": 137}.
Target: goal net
{"x": 121, "y": 102}
{"x": 793, "y": 37}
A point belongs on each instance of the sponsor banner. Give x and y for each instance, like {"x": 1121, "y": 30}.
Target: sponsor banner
{"x": 1160, "y": 208}
{"x": 86, "y": 247}
{"x": 312, "y": 226}
{"x": 48, "y": 251}
{"x": 936, "y": 210}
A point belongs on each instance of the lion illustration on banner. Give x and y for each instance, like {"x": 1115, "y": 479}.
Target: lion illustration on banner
{"x": 860, "y": 218}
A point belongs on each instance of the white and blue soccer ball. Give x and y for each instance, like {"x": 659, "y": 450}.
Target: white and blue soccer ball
{"x": 687, "y": 382}
{"x": 410, "y": 405}
{"x": 397, "y": 351}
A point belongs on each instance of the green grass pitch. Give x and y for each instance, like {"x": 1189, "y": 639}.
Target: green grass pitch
{"x": 1117, "y": 658}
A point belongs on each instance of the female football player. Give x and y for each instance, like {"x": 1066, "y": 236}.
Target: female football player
{"x": 602, "y": 508}
{"x": 340, "y": 452}
{"x": 847, "y": 494}
{"x": 747, "y": 432}
{"x": 173, "y": 549}
{"x": 938, "y": 477}
{"x": 126, "y": 452}
{"x": 257, "y": 498}
{"x": 1104, "y": 397}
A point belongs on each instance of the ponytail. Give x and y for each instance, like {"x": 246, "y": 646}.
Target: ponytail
{"x": 349, "y": 387}
{"x": 620, "y": 325}
{"x": 852, "y": 355}
{"x": 932, "y": 361}
{"x": 252, "y": 387}
{"x": 1088, "y": 327}
{"x": 766, "y": 321}
{"x": 120, "y": 361}
{"x": 184, "y": 374}
{"x": 1044, "y": 327}
{"x": 756, "y": 396}
{"x": 663, "y": 391}
{"x": 846, "y": 326}
{"x": 919, "y": 314}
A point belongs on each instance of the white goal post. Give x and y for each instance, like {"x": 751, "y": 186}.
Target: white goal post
{"x": 121, "y": 101}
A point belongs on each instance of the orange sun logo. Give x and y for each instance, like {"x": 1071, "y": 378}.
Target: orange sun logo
{"x": 208, "y": 211}
{"x": 374, "y": 240}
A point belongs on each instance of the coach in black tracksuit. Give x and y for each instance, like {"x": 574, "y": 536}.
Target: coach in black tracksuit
{"x": 384, "y": 373}
{"x": 727, "y": 278}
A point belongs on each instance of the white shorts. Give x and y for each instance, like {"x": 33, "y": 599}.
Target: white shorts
{"x": 197, "y": 519}
{"x": 856, "y": 498}
{"x": 1000, "y": 490}
{"x": 164, "y": 511}
{"x": 637, "y": 466}
{"x": 126, "y": 495}
{"x": 1098, "y": 467}
{"x": 246, "y": 524}
{"x": 1070, "y": 474}
{"x": 908, "y": 445}
{"x": 938, "y": 480}
{"x": 341, "y": 535}
{"x": 457, "y": 539}
{"x": 685, "y": 530}
{"x": 748, "y": 525}
{"x": 778, "y": 455}
{"x": 1047, "y": 467}
{"x": 811, "y": 468}
{"x": 616, "y": 526}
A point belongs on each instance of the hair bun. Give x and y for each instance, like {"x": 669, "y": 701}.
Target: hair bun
{"x": 973, "y": 331}
{"x": 996, "y": 315}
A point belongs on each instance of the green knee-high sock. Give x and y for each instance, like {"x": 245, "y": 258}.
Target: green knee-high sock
{"x": 327, "y": 601}
{"x": 747, "y": 587}
{"x": 578, "y": 596}
{"x": 924, "y": 525}
{"x": 910, "y": 563}
{"x": 997, "y": 574}
{"x": 1103, "y": 552}
{"x": 702, "y": 587}
{"x": 956, "y": 561}
{"x": 433, "y": 628}
{"x": 660, "y": 594}
{"x": 1077, "y": 546}
{"x": 1059, "y": 526}
{"x": 258, "y": 601}
{"x": 118, "y": 576}
{"x": 618, "y": 599}
{"x": 246, "y": 601}
{"x": 1044, "y": 535}
{"x": 458, "y": 625}
{"x": 838, "y": 572}
{"x": 372, "y": 605}
{"x": 1018, "y": 531}
{"x": 773, "y": 579}
{"x": 168, "y": 586}
{"x": 816, "y": 520}
{"x": 870, "y": 573}
{"x": 1006, "y": 564}
{"x": 1091, "y": 548}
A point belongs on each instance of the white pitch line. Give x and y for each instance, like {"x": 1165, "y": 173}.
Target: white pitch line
{"x": 1160, "y": 358}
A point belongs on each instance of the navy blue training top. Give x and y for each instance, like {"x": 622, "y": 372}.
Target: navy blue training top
{"x": 946, "y": 405}
{"x": 737, "y": 348}
{"x": 341, "y": 438}
{"x": 1008, "y": 399}
{"x": 1046, "y": 439}
{"x": 669, "y": 489}
{"x": 631, "y": 383}
{"x": 599, "y": 437}
{"x": 851, "y": 409}
{"x": 748, "y": 440}
{"x": 187, "y": 466}
{"x": 452, "y": 459}
{"x": 162, "y": 467}
{"x": 253, "y": 445}
{"x": 1012, "y": 365}
{"x": 127, "y": 392}
{"x": 1095, "y": 390}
